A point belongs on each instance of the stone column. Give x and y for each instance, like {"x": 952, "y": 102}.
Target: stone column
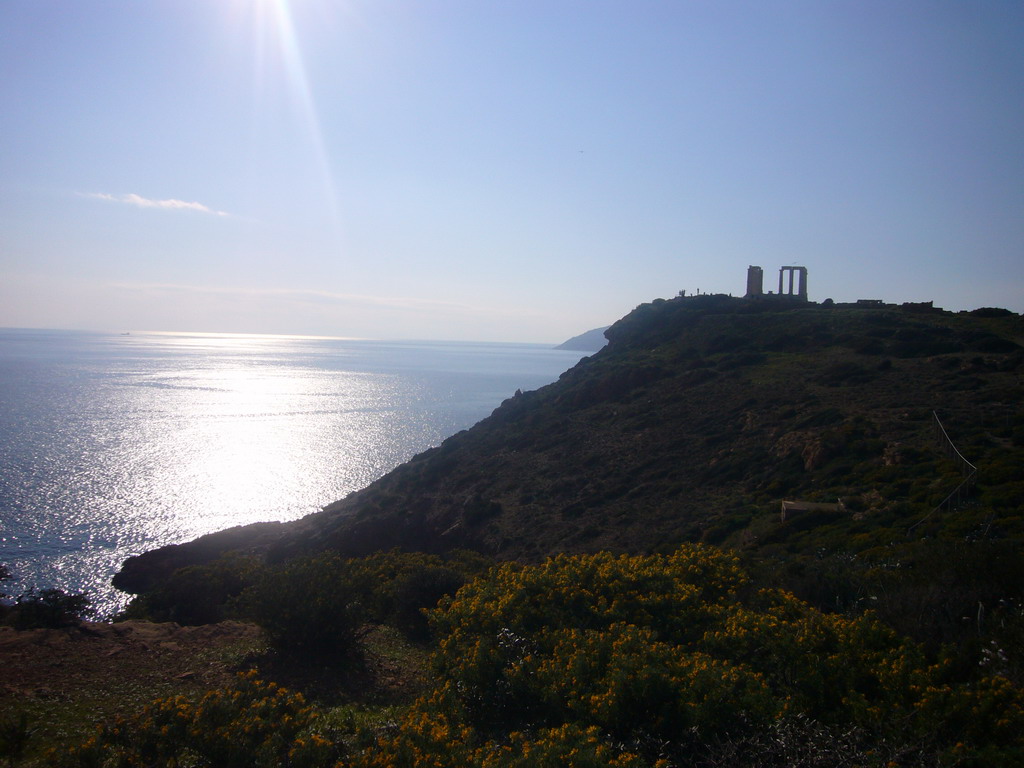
{"x": 755, "y": 281}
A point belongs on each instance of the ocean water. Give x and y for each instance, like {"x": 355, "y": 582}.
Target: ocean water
{"x": 111, "y": 445}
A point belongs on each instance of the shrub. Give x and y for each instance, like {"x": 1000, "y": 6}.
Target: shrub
{"x": 428, "y": 737}
{"x": 255, "y": 724}
{"x": 399, "y": 587}
{"x": 669, "y": 657}
{"x": 412, "y": 593}
{"x": 389, "y": 587}
{"x": 49, "y": 608}
{"x": 606, "y": 661}
{"x": 198, "y": 594}
{"x": 307, "y": 607}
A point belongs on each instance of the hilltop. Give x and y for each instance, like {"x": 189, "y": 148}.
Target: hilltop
{"x": 699, "y": 417}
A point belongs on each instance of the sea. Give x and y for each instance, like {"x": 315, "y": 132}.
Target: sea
{"x": 114, "y": 444}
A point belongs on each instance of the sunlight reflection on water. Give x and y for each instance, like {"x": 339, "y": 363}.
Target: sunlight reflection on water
{"x": 116, "y": 445}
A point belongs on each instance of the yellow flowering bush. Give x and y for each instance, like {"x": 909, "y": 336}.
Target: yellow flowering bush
{"x": 498, "y": 633}
{"x": 987, "y": 711}
{"x": 430, "y": 737}
{"x": 841, "y": 669}
{"x": 567, "y": 746}
{"x": 616, "y": 661}
{"x": 627, "y": 682}
{"x": 677, "y": 650}
{"x": 255, "y": 723}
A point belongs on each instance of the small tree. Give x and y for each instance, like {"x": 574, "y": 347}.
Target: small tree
{"x": 307, "y": 606}
{"x": 49, "y": 608}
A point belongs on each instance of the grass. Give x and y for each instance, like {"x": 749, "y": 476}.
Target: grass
{"x": 68, "y": 680}
{"x": 65, "y": 698}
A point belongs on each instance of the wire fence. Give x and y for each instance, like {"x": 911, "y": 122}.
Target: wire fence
{"x": 968, "y": 472}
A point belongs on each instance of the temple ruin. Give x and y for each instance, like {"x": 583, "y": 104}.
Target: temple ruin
{"x": 795, "y": 288}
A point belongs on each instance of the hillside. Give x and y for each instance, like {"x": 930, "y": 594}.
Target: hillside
{"x": 591, "y": 341}
{"x": 696, "y": 420}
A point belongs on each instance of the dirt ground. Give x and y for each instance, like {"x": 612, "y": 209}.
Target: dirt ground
{"x": 68, "y": 680}
{"x": 58, "y": 663}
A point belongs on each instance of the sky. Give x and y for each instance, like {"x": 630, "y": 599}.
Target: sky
{"x": 498, "y": 171}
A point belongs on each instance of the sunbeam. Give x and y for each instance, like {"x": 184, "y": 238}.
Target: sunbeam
{"x": 276, "y": 43}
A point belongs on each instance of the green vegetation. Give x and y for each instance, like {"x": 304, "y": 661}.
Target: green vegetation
{"x": 253, "y": 723}
{"x": 198, "y": 594}
{"x": 314, "y": 604}
{"x": 614, "y": 660}
{"x": 51, "y": 608}
{"x": 47, "y": 608}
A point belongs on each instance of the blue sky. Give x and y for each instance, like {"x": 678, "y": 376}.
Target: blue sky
{"x": 507, "y": 171}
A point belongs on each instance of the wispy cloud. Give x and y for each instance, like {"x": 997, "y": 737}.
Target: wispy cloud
{"x": 145, "y": 202}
